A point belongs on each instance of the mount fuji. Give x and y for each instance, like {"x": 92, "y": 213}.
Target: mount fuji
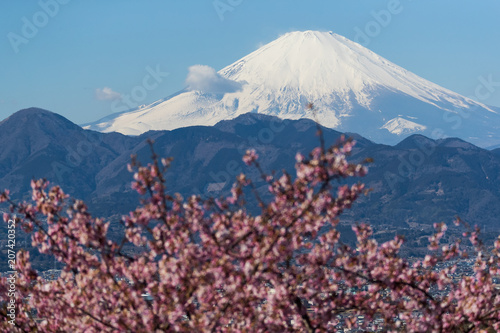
{"x": 352, "y": 88}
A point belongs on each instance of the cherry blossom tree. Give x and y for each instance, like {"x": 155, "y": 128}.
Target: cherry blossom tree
{"x": 213, "y": 266}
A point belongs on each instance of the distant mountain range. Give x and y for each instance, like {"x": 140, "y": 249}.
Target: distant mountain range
{"x": 354, "y": 90}
{"x": 419, "y": 180}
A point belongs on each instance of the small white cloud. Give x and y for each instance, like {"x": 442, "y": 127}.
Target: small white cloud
{"x": 207, "y": 80}
{"x": 106, "y": 94}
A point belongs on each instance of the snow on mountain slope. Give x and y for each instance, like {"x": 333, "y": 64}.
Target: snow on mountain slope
{"x": 400, "y": 126}
{"x": 352, "y": 88}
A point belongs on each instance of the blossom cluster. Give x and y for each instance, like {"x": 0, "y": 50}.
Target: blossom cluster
{"x": 211, "y": 265}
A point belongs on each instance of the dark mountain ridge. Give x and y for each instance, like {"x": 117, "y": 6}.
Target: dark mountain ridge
{"x": 419, "y": 180}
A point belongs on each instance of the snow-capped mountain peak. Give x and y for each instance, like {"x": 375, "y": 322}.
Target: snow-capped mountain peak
{"x": 353, "y": 89}
{"x": 318, "y": 63}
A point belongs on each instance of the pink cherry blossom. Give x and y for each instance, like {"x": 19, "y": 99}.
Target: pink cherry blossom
{"x": 212, "y": 266}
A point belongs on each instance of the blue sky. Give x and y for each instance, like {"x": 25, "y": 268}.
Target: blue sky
{"x": 80, "y": 46}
